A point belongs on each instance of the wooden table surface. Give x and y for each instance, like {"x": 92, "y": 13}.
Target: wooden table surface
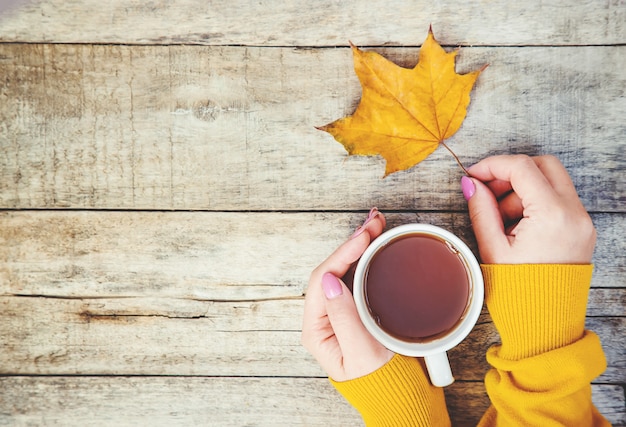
{"x": 164, "y": 193}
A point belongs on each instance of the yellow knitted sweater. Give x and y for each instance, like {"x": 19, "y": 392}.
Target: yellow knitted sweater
{"x": 541, "y": 371}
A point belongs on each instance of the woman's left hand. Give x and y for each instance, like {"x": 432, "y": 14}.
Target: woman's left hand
{"x": 332, "y": 330}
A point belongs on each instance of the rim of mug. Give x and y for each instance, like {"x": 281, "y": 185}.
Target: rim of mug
{"x": 437, "y": 345}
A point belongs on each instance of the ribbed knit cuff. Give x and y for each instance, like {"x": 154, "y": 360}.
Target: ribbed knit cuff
{"x": 536, "y": 307}
{"x": 398, "y": 394}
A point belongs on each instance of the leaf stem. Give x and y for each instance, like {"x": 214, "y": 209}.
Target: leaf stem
{"x": 455, "y": 158}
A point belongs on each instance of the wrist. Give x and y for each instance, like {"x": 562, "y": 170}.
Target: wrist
{"x": 536, "y": 307}
{"x": 397, "y": 394}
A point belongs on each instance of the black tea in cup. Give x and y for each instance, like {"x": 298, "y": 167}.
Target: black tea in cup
{"x": 417, "y": 287}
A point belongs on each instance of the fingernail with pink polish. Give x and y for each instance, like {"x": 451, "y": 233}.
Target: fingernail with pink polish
{"x": 331, "y": 286}
{"x": 360, "y": 229}
{"x": 468, "y": 187}
{"x": 373, "y": 214}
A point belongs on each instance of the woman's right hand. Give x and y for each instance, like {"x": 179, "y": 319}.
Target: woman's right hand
{"x": 526, "y": 211}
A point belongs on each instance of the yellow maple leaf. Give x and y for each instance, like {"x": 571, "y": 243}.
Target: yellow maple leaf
{"x": 404, "y": 114}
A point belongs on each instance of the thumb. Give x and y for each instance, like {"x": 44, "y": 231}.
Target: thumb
{"x": 486, "y": 218}
{"x": 354, "y": 340}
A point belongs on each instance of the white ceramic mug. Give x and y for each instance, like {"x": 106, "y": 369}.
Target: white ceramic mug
{"x": 433, "y": 351}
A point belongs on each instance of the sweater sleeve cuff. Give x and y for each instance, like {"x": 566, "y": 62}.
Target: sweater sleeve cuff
{"x": 536, "y": 307}
{"x": 397, "y": 394}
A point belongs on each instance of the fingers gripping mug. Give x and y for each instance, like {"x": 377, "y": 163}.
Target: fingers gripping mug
{"x": 419, "y": 291}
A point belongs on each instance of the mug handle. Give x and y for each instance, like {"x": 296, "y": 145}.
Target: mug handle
{"x": 439, "y": 369}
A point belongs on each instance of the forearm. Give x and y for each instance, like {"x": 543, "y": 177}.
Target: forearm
{"x": 398, "y": 394}
{"x": 541, "y": 373}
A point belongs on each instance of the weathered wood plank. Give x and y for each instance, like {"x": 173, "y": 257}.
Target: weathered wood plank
{"x": 232, "y": 128}
{"x": 327, "y": 23}
{"x": 172, "y": 401}
{"x": 132, "y": 336}
{"x": 609, "y": 399}
{"x": 211, "y": 255}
